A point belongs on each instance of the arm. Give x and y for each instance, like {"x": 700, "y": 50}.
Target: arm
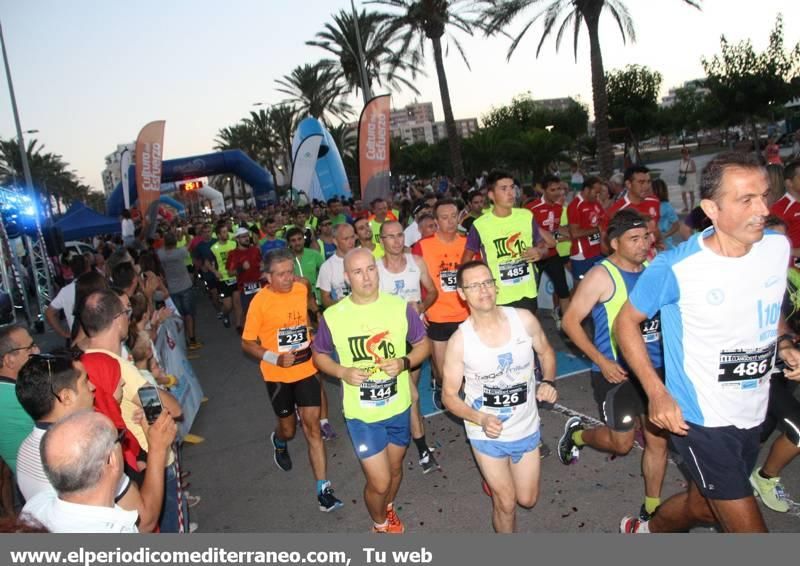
{"x": 254, "y": 348}
{"x": 662, "y": 408}
{"x": 576, "y": 231}
{"x": 788, "y": 352}
{"x": 453, "y": 370}
{"x": 51, "y": 314}
{"x": 594, "y": 288}
{"x": 431, "y": 293}
{"x": 473, "y": 247}
{"x": 546, "y": 354}
{"x": 327, "y": 300}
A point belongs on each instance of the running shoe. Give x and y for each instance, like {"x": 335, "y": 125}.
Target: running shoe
{"x": 568, "y": 452}
{"x": 226, "y": 321}
{"x": 428, "y": 463}
{"x": 327, "y": 432}
{"x": 770, "y": 491}
{"x": 220, "y": 316}
{"x": 633, "y": 526}
{"x": 281, "y": 455}
{"x": 327, "y": 501}
{"x": 195, "y": 345}
{"x": 644, "y": 515}
{"x": 393, "y": 523}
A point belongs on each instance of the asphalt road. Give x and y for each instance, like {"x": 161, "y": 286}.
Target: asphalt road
{"x": 242, "y": 489}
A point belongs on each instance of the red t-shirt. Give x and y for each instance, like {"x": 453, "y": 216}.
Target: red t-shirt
{"x": 650, "y": 206}
{"x": 788, "y": 209}
{"x": 548, "y": 216}
{"x": 252, "y": 275}
{"x": 585, "y": 214}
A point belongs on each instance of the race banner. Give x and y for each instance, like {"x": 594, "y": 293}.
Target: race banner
{"x": 124, "y": 165}
{"x": 373, "y": 149}
{"x": 149, "y": 154}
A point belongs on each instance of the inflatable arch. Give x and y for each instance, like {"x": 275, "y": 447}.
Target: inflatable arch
{"x": 233, "y": 161}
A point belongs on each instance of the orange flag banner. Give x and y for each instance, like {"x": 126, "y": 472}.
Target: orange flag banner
{"x": 373, "y": 149}
{"x": 149, "y": 155}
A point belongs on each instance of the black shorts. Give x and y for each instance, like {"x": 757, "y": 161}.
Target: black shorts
{"x": 227, "y": 289}
{"x": 527, "y": 303}
{"x": 555, "y": 269}
{"x": 619, "y": 403}
{"x": 209, "y": 279}
{"x": 442, "y": 331}
{"x": 719, "y": 460}
{"x": 285, "y": 396}
{"x": 783, "y": 410}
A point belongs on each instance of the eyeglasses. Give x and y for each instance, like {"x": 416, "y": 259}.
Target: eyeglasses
{"x": 488, "y": 284}
{"x": 127, "y": 312}
{"x": 29, "y": 347}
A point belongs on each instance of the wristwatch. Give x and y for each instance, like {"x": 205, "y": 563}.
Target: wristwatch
{"x": 406, "y": 363}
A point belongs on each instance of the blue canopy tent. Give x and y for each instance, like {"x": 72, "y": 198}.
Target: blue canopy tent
{"x": 81, "y": 221}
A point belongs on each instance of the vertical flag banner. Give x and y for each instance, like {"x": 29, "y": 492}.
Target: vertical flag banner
{"x": 124, "y": 165}
{"x": 373, "y": 149}
{"x": 149, "y": 155}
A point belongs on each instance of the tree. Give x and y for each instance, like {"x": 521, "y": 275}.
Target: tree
{"x": 633, "y": 100}
{"x": 384, "y": 64}
{"x": 316, "y": 90}
{"x": 421, "y": 20}
{"x": 573, "y": 13}
{"x": 749, "y": 86}
{"x": 526, "y": 113}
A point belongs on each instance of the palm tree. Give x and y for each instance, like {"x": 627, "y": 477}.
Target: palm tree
{"x": 239, "y": 136}
{"x": 384, "y": 64}
{"x": 317, "y": 90}
{"x": 573, "y": 13}
{"x": 284, "y": 123}
{"x": 419, "y": 20}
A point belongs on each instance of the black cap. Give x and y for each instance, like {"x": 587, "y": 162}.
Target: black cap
{"x": 624, "y": 220}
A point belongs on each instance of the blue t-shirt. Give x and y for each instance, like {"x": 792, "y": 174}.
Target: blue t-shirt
{"x": 668, "y": 218}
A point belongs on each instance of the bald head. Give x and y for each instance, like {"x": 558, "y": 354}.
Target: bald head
{"x": 75, "y": 451}
{"x": 361, "y": 272}
{"x": 358, "y": 257}
{"x": 344, "y": 237}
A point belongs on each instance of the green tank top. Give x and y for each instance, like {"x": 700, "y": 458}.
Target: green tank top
{"x": 503, "y": 241}
{"x": 221, "y": 252}
{"x": 363, "y": 335}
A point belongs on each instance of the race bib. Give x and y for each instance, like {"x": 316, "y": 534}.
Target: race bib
{"x": 594, "y": 239}
{"x": 651, "y": 329}
{"x": 377, "y": 393}
{"x": 743, "y": 369}
{"x": 251, "y": 288}
{"x": 231, "y": 281}
{"x": 514, "y": 272}
{"x": 448, "y": 281}
{"x": 292, "y": 338}
{"x": 503, "y": 397}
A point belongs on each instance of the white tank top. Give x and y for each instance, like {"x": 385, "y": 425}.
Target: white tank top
{"x": 501, "y": 381}
{"x": 405, "y": 284}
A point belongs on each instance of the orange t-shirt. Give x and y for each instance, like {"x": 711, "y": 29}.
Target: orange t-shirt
{"x": 279, "y": 321}
{"x": 442, "y": 259}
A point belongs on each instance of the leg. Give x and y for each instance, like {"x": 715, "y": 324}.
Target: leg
{"x": 654, "y": 458}
{"x": 526, "y": 474}
{"x": 287, "y": 427}
{"x": 377, "y": 470}
{"x": 682, "y": 511}
{"x": 316, "y": 447}
{"x": 395, "y": 456}
{"x": 606, "y": 440}
{"x": 237, "y": 308}
{"x": 323, "y": 407}
{"x": 497, "y": 473}
{"x": 685, "y": 200}
{"x": 417, "y": 425}
{"x": 437, "y": 354}
{"x": 188, "y": 320}
{"x": 781, "y": 453}
{"x": 738, "y": 515}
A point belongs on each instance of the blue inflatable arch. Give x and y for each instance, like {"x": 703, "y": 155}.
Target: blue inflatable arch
{"x": 233, "y": 161}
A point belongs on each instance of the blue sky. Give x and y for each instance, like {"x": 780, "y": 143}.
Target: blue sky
{"x": 89, "y": 74}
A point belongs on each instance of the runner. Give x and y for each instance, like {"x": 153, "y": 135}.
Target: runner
{"x": 442, "y": 255}
{"x": 226, "y": 282}
{"x": 509, "y": 241}
{"x": 587, "y": 220}
{"x": 333, "y": 286}
{"x": 617, "y": 392}
{"x": 245, "y": 262}
{"x": 369, "y": 331}
{"x": 492, "y": 355}
{"x": 719, "y": 295}
{"x": 639, "y": 196}
{"x": 277, "y": 332}
{"x": 405, "y": 275}
{"x": 307, "y": 261}
{"x": 365, "y": 240}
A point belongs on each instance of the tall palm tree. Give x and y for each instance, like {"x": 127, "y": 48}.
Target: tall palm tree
{"x": 573, "y": 13}
{"x": 383, "y": 63}
{"x": 420, "y": 20}
{"x": 317, "y": 90}
{"x": 284, "y": 123}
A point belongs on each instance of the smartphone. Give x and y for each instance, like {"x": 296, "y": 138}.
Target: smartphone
{"x": 151, "y": 403}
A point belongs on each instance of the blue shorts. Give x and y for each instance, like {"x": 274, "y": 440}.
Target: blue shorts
{"x": 719, "y": 460}
{"x": 371, "y": 438}
{"x": 515, "y": 449}
{"x": 581, "y": 267}
{"x": 184, "y": 300}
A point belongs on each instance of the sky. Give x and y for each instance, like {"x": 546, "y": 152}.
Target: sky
{"x": 88, "y": 74}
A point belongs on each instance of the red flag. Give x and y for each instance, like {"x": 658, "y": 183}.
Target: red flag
{"x": 149, "y": 154}
{"x": 373, "y": 149}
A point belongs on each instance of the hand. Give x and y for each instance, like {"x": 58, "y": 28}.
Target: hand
{"x": 354, "y": 376}
{"x": 532, "y": 254}
{"x": 246, "y": 265}
{"x": 162, "y": 432}
{"x": 138, "y": 417}
{"x": 664, "y": 412}
{"x": 791, "y": 356}
{"x": 151, "y": 283}
{"x": 425, "y": 320}
{"x": 491, "y": 425}
{"x": 161, "y": 315}
{"x": 285, "y": 360}
{"x": 392, "y": 367}
{"x": 546, "y": 392}
{"x": 613, "y": 372}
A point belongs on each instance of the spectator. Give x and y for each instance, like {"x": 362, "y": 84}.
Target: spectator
{"x": 64, "y": 301}
{"x": 179, "y": 283}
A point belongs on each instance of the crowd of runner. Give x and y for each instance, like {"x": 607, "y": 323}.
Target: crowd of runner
{"x": 365, "y": 294}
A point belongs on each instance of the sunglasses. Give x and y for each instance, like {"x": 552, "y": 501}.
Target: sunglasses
{"x": 49, "y": 359}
